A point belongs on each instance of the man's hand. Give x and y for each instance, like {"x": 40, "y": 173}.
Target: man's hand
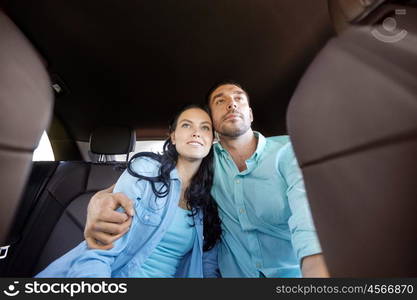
{"x": 105, "y": 225}
{"x": 314, "y": 266}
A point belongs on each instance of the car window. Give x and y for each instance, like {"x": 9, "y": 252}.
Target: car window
{"x": 144, "y": 146}
{"x": 44, "y": 150}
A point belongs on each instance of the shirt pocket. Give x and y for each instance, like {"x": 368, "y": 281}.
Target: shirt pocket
{"x": 147, "y": 216}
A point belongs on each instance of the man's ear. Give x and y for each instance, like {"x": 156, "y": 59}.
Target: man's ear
{"x": 251, "y": 114}
{"x": 216, "y": 137}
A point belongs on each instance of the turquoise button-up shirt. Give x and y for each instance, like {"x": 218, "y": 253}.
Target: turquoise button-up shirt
{"x": 266, "y": 220}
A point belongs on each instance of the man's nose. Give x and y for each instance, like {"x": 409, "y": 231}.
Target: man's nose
{"x": 232, "y": 105}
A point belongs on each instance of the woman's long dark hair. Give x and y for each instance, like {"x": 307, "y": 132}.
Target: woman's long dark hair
{"x": 197, "y": 194}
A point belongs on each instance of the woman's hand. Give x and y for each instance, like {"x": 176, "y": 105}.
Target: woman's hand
{"x": 105, "y": 225}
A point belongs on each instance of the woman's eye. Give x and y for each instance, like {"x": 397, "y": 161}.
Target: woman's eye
{"x": 206, "y": 128}
{"x": 185, "y": 125}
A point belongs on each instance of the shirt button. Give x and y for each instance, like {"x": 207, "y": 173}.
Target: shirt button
{"x": 237, "y": 181}
{"x": 242, "y": 210}
{"x": 258, "y": 265}
{"x": 147, "y": 217}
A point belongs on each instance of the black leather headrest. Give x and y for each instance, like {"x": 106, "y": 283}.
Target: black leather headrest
{"x": 112, "y": 140}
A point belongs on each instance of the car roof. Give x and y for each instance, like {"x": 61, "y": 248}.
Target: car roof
{"x": 134, "y": 62}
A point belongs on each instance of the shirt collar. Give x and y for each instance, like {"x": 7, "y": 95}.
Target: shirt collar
{"x": 174, "y": 174}
{"x": 219, "y": 148}
{"x": 261, "y": 145}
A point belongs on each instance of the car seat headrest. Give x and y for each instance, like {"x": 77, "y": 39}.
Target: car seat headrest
{"x": 112, "y": 140}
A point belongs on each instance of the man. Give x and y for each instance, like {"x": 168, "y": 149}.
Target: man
{"x": 267, "y": 226}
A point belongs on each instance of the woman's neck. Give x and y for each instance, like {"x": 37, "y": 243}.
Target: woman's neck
{"x": 186, "y": 169}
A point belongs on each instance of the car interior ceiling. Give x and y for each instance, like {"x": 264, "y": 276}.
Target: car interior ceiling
{"x": 129, "y": 64}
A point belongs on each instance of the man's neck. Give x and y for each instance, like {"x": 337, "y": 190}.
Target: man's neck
{"x": 240, "y": 148}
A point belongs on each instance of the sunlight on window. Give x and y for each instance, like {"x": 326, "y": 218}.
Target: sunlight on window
{"x": 141, "y": 146}
{"x": 44, "y": 151}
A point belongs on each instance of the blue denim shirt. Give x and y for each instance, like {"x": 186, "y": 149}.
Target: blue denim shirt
{"x": 152, "y": 218}
{"x": 266, "y": 220}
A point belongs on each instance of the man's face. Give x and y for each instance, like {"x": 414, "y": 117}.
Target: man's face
{"x": 232, "y": 116}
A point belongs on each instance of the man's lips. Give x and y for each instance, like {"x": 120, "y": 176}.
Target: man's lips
{"x": 232, "y": 116}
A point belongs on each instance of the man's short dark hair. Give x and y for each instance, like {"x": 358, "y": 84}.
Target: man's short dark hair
{"x": 219, "y": 83}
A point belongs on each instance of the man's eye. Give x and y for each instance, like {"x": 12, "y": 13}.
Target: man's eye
{"x": 219, "y": 101}
{"x": 238, "y": 98}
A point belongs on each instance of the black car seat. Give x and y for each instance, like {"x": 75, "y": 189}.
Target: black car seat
{"x": 353, "y": 124}
{"x": 26, "y": 101}
{"x": 56, "y": 222}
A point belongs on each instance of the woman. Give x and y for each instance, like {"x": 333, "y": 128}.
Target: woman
{"x": 173, "y": 208}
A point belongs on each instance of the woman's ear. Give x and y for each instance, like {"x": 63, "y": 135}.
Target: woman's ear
{"x": 172, "y": 136}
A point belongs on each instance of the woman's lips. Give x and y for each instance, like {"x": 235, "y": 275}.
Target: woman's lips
{"x": 195, "y": 143}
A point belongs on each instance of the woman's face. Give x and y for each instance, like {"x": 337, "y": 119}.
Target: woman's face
{"x": 193, "y": 135}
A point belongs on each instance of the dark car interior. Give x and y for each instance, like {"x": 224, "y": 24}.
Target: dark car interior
{"x": 338, "y": 76}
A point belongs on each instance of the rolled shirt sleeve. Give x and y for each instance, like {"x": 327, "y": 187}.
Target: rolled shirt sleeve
{"x": 303, "y": 233}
